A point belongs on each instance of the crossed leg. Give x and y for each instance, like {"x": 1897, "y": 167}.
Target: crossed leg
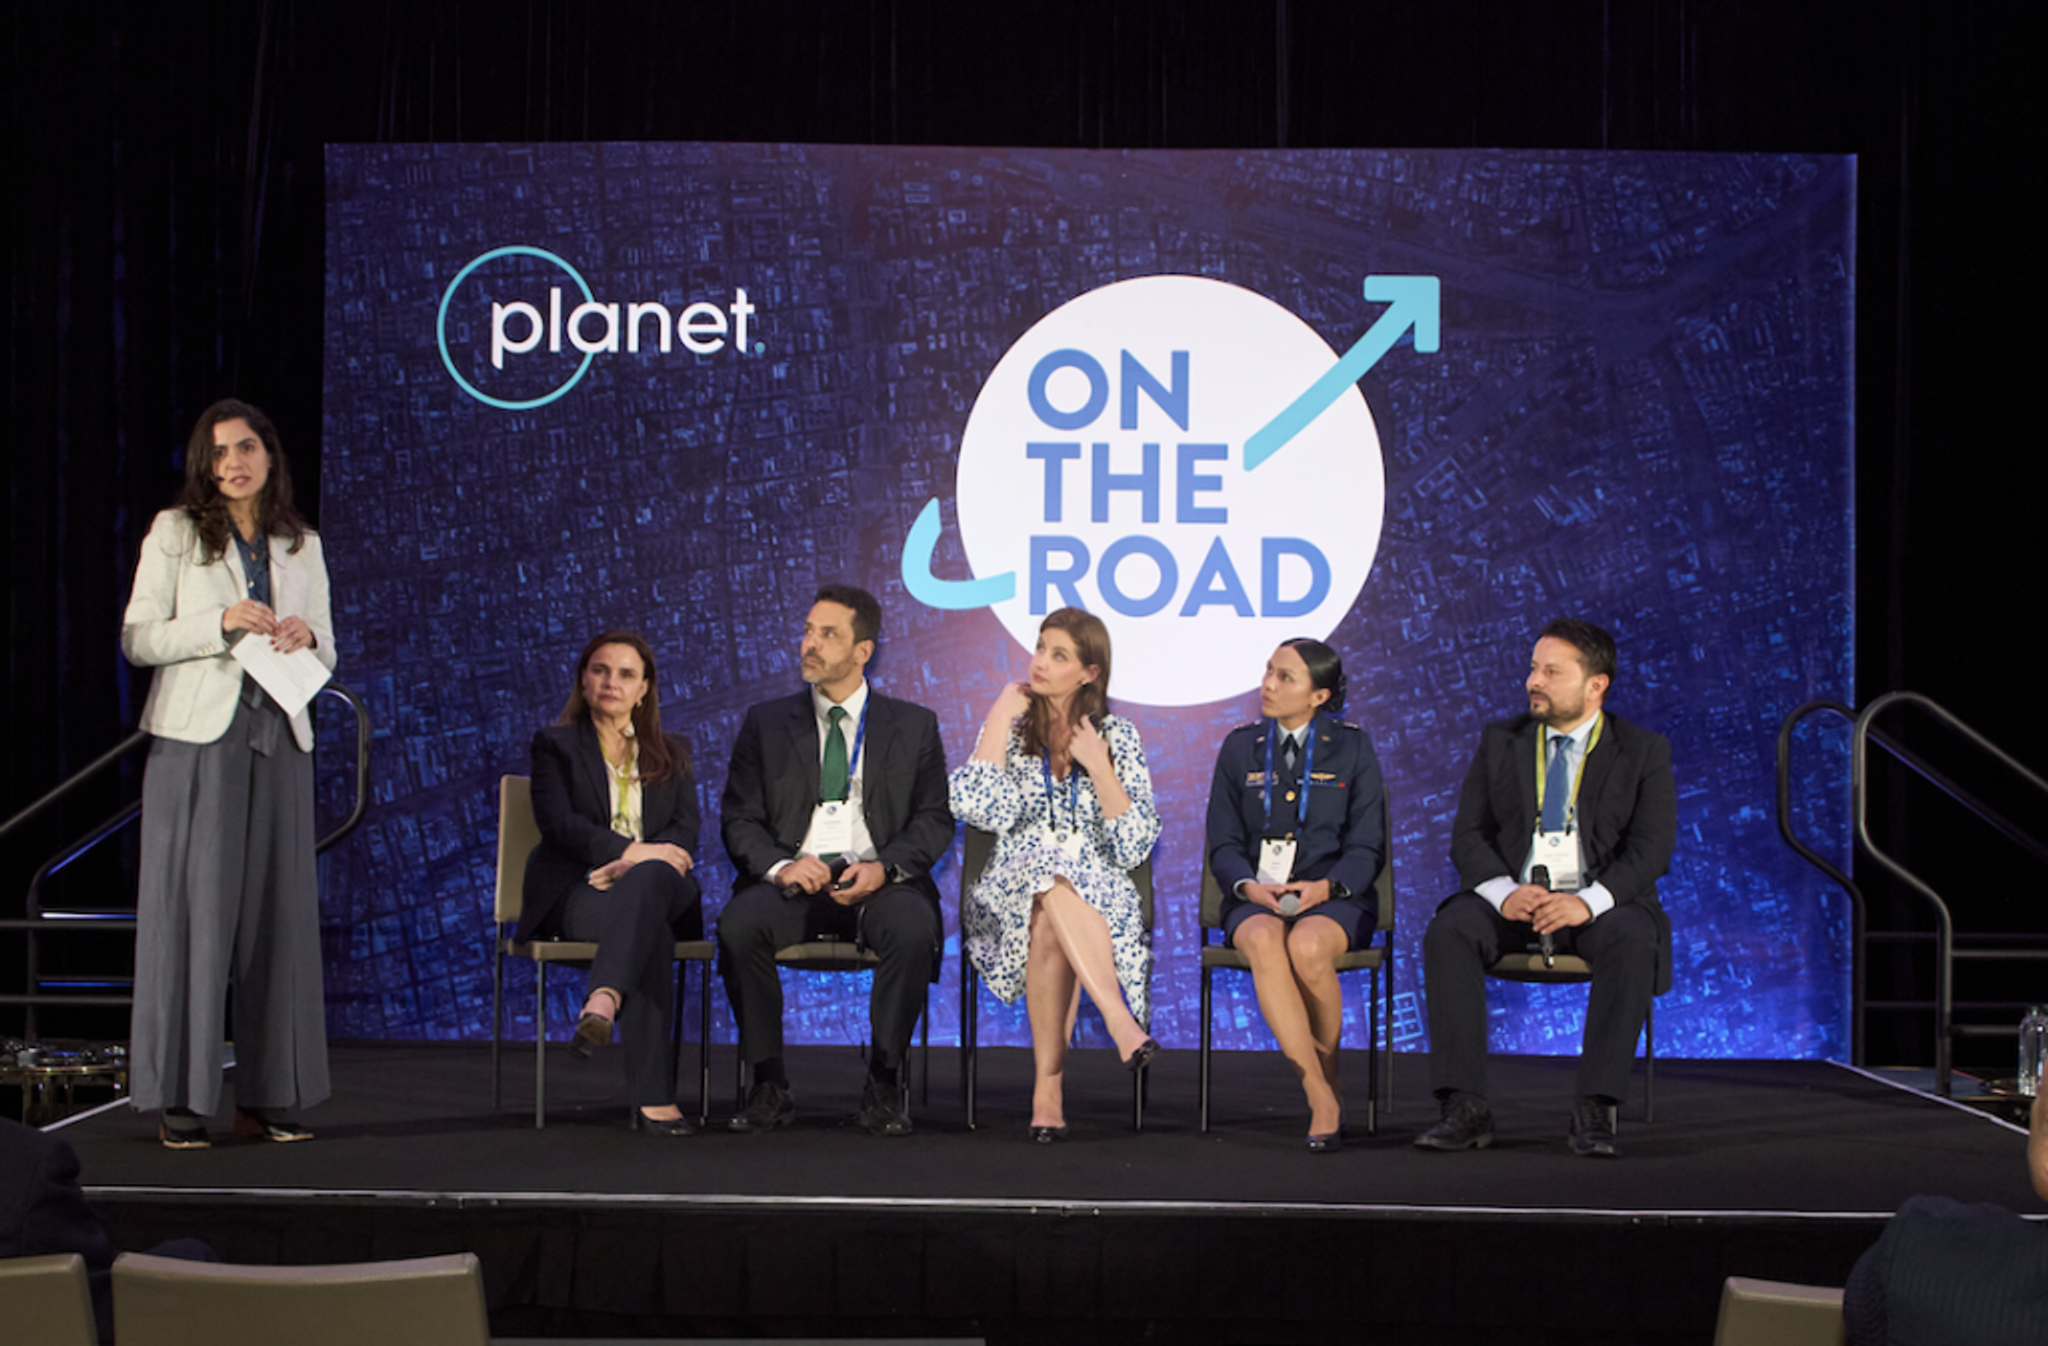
{"x": 1070, "y": 949}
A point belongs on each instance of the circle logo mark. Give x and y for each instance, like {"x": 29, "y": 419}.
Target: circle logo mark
{"x": 441, "y": 329}
{"x": 1105, "y": 466}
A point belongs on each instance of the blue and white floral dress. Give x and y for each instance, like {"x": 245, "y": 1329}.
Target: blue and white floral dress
{"x": 1012, "y": 801}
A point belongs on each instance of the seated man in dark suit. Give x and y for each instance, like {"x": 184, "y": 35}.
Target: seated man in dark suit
{"x": 43, "y": 1210}
{"x": 1567, "y": 855}
{"x": 835, "y": 811}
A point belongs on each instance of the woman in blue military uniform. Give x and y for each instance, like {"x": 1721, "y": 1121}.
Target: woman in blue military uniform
{"x": 1296, "y": 840}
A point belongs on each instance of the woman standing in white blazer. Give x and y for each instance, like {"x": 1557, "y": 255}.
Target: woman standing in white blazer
{"x": 229, "y": 896}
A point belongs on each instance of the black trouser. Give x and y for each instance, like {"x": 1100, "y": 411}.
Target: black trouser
{"x": 1466, "y": 936}
{"x": 635, "y": 924}
{"x": 898, "y": 922}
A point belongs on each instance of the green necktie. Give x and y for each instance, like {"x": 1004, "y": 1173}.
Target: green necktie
{"x": 832, "y": 776}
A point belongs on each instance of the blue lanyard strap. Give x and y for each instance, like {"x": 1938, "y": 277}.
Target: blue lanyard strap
{"x": 1308, "y": 760}
{"x": 1052, "y": 801}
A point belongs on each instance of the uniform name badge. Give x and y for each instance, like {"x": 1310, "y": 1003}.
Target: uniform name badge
{"x": 831, "y": 829}
{"x": 1559, "y": 852}
{"x": 1276, "y": 860}
{"x": 1068, "y": 841}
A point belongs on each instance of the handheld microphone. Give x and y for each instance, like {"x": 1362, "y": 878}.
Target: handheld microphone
{"x": 1290, "y": 903}
{"x": 1540, "y": 875}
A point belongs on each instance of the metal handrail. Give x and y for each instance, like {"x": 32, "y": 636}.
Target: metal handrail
{"x": 1944, "y": 964}
{"x": 77, "y": 778}
{"x": 34, "y": 921}
{"x": 1863, "y": 734}
{"x": 1859, "y": 919}
{"x": 348, "y": 824}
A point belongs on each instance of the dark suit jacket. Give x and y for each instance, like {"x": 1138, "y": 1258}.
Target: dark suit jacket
{"x": 43, "y": 1211}
{"x": 772, "y": 788}
{"x": 572, "y": 804}
{"x": 1627, "y": 814}
{"x": 1343, "y": 838}
{"x": 1946, "y": 1272}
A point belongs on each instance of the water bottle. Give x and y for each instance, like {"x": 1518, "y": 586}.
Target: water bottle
{"x": 2033, "y": 1048}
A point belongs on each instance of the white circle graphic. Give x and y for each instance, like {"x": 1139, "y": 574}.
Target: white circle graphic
{"x": 1197, "y": 566}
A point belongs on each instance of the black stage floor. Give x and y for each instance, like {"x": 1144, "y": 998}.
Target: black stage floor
{"x": 1776, "y": 1169}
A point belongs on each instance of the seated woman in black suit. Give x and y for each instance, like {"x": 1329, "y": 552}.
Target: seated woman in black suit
{"x": 1296, "y": 839}
{"x": 617, "y": 808}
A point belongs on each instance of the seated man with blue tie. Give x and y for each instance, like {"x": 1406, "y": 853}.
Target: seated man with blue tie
{"x": 835, "y": 810}
{"x": 1565, "y": 856}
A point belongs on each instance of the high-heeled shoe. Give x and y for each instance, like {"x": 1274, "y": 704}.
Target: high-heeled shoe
{"x": 1047, "y": 1135}
{"x": 660, "y": 1126}
{"x": 592, "y": 1031}
{"x": 1325, "y": 1144}
{"x": 1142, "y": 1057}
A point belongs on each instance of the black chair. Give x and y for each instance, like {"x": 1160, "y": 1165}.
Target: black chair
{"x": 979, "y": 847}
{"x": 1569, "y": 967}
{"x": 518, "y": 834}
{"x": 832, "y": 954}
{"x": 1379, "y": 1000}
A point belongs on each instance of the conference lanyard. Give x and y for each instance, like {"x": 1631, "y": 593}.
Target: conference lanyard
{"x": 1571, "y": 808}
{"x": 1308, "y": 759}
{"x": 860, "y": 733}
{"x": 1073, "y": 797}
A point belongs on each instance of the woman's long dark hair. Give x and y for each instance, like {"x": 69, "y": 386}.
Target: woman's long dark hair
{"x": 1091, "y": 643}
{"x": 1325, "y": 671}
{"x": 201, "y": 499}
{"x": 656, "y": 761}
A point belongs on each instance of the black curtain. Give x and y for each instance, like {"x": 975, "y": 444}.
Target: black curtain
{"x": 164, "y": 237}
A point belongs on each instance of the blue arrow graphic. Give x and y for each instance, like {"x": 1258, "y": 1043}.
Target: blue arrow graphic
{"x": 934, "y": 592}
{"x": 1411, "y": 301}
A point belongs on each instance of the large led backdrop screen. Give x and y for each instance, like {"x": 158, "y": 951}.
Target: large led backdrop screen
{"x": 1414, "y": 403}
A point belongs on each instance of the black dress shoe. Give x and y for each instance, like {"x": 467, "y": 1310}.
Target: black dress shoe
{"x": 1592, "y": 1132}
{"x": 661, "y": 1126}
{"x": 1325, "y": 1144}
{"x": 881, "y": 1110}
{"x": 1046, "y": 1135}
{"x": 768, "y": 1106}
{"x": 1467, "y": 1125}
{"x": 592, "y": 1031}
{"x": 1142, "y": 1057}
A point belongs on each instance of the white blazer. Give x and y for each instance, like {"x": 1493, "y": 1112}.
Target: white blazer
{"x": 173, "y": 625}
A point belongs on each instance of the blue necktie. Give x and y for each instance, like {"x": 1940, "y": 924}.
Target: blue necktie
{"x": 1557, "y": 785}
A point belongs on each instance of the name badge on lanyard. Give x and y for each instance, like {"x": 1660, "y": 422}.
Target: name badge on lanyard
{"x": 831, "y": 829}
{"x": 1276, "y": 854}
{"x": 1276, "y": 860}
{"x": 832, "y": 821}
{"x": 1559, "y": 852}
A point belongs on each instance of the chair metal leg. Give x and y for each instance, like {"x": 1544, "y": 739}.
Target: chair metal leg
{"x": 497, "y": 1018}
{"x": 1387, "y": 1021}
{"x": 704, "y": 1045}
{"x": 1372, "y": 1055}
{"x": 1650, "y": 1064}
{"x": 970, "y": 1028}
{"x": 540, "y": 1043}
{"x": 675, "y": 1031}
{"x": 1202, "y": 1065}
